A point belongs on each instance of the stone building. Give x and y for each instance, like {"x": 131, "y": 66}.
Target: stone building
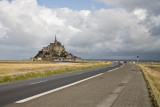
{"x": 55, "y": 52}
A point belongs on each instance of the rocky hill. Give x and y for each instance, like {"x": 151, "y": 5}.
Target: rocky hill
{"x": 55, "y": 52}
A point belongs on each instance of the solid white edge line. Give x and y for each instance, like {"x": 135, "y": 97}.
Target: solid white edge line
{"x": 39, "y": 95}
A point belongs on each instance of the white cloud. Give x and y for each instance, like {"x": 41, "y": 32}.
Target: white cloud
{"x": 25, "y": 27}
{"x": 3, "y": 31}
{"x": 140, "y": 13}
{"x": 74, "y": 29}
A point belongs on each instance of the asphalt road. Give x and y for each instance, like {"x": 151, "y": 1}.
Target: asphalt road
{"x": 16, "y": 91}
{"x": 123, "y": 87}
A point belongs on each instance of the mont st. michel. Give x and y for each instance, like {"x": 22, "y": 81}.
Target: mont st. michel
{"x": 55, "y": 52}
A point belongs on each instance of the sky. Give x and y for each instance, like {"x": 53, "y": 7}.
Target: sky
{"x": 91, "y": 29}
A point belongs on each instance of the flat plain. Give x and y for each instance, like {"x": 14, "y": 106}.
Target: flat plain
{"x": 20, "y": 70}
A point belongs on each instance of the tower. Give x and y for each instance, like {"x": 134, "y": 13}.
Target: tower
{"x": 55, "y": 41}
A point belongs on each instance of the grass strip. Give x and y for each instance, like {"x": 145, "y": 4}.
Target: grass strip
{"x": 11, "y": 78}
{"x": 151, "y": 93}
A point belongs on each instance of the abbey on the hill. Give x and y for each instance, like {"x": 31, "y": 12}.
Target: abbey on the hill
{"x": 55, "y": 52}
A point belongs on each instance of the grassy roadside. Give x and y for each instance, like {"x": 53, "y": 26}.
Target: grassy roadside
{"x": 152, "y": 78}
{"x": 15, "y": 70}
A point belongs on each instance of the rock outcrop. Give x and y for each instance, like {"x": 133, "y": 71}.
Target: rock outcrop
{"x": 55, "y": 52}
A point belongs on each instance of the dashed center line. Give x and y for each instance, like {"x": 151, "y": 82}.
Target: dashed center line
{"x": 37, "y": 82}
{"x": 42, "y": 94}
{"x": 39, "y": 95}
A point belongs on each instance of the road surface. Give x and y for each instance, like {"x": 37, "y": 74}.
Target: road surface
{"x": 101, "y": 87}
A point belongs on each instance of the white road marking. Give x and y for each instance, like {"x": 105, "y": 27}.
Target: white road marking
{"x": 39, "y": 95}
{"x": 45, "y": 93}
{"x": 115, "y": 68}
{"x": 37, "y": 82}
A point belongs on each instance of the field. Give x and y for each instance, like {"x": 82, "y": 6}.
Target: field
{"x": 20, "y": 70}
{"x": 152, "y": 72}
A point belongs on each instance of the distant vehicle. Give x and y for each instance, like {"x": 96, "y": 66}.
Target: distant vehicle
{"x": 125, "y": 61}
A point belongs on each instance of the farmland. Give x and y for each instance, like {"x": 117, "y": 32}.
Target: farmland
{"x": 20, "y": 70}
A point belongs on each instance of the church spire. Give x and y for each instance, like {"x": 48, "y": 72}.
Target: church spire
{"x": 55, "y": 39}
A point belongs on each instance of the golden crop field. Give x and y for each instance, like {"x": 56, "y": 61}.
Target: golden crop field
{"x": 152, "y": 71}
{"x": 27, "y": 69}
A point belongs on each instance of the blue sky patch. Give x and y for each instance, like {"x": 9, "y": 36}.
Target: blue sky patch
{"x": 73, "y": 4}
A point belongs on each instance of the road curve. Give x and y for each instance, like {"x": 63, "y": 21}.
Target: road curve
{"x": 15, "y": 91}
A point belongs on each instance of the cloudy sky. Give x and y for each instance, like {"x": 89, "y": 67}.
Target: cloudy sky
{"x": 107, "y": 29}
